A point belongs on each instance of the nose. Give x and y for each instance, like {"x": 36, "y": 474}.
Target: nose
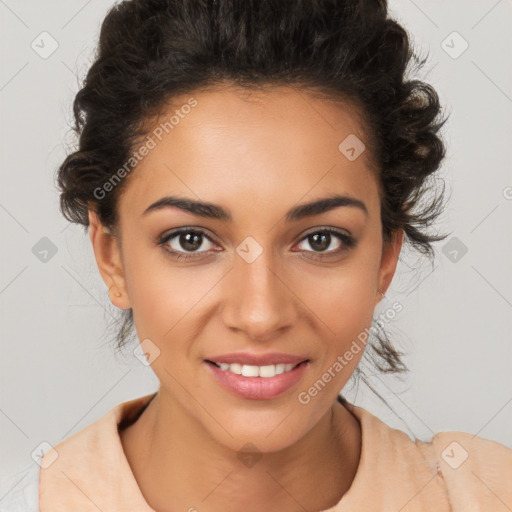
{"x": 259, "y": 302}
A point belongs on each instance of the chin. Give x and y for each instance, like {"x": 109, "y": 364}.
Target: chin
{"x": 269, "y": 427}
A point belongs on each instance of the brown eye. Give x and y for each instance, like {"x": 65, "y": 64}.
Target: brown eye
{"x": 190, "y": 241}
{"x": 320, "y": 241}
{"x": 186, "y": 243}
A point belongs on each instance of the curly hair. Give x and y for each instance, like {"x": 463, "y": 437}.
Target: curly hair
{"x": 150, "y": 51}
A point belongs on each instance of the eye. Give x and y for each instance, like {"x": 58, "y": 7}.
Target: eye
{"x": 185, "y": 243}
{"x": 324, "y": 238}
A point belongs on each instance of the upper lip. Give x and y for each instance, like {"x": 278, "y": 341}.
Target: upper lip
{"x": 257, "y": 359}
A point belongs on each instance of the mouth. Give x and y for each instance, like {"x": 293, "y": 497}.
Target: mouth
{"x": 257, "y": 382}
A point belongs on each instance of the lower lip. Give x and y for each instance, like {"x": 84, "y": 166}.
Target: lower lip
{"x": 257, "y": 388}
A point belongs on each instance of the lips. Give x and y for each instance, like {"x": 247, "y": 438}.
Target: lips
{"x": 243, "y": 381}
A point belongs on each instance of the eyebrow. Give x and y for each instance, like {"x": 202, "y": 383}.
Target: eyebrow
{"x": 213, "y": 211}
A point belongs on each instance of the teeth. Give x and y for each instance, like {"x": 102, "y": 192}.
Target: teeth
{"x": 246, "y": 370}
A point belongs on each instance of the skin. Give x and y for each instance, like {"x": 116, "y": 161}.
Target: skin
{"x": 257, "y": 156}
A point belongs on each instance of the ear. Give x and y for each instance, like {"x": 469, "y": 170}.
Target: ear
{"x": 389, "y": 261}
{"x": 108, "y": 258}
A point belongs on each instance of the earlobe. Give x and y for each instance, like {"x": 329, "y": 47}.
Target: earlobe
{"x": 389, "y": 260}
{"x": 108, "y": 259}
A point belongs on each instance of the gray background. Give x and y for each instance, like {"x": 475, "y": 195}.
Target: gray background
{"x": 59, "y": 374}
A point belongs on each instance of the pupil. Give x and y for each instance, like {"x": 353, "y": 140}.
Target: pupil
{"x": 187, "y": 243}
{"x": 324, "y": 243}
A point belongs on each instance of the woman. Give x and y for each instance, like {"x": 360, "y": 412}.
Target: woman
{"x": 249, "y": 173}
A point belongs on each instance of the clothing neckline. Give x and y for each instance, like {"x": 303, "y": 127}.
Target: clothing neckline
{"x": 93, "y": 463}
{"x": 130, "y": 415}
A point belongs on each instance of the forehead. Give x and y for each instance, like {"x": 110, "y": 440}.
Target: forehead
{"x": 279, "y": 144}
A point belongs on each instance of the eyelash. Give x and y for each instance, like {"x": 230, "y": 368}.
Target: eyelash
{"x": 347, "y": 240}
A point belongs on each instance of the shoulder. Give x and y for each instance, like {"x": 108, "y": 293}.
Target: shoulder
{"x": 93, "y": 459}
{"x": 19, "y": 492}
{"x": 477, "y": 472}
{"x": 454, "y": 471}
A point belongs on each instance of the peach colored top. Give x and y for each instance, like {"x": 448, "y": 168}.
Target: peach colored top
{"x": 454, "y": 472}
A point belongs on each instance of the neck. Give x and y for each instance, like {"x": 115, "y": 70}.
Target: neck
{"x": 178, "y": 466}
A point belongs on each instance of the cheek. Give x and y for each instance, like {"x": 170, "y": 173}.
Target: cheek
{"x": 157, "y": 291}
{"x": 343, "y": 303}
{"x": 165, "y": 295}
{"x": 342, "y": 298}
{"x": 344, "y": 307}
{"x": 352, "y": 303}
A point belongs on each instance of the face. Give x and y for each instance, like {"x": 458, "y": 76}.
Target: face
{"x": 251, "y": 279}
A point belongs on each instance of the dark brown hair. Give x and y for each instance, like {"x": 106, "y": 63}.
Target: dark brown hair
{"x": 149, "y": 51}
